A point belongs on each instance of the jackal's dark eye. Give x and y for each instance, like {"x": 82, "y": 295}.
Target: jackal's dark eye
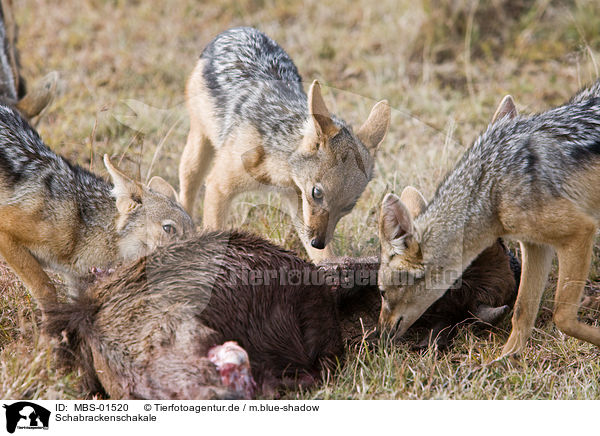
{"x": 169, "y": 229}
{"x": 317, "y": 193}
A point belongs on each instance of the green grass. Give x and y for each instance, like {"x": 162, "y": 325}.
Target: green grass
{"x": 443, "y": 65}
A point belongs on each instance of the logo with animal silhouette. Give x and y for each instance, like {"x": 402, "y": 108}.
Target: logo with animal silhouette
{"x": 26, "y": 415}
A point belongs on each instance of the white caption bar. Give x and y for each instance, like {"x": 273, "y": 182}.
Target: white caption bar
{"x": 286, "y": 417}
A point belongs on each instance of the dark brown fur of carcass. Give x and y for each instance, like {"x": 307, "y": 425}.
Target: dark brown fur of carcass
{"x": 145, "y": 331}
{"x": 149, "y": 327}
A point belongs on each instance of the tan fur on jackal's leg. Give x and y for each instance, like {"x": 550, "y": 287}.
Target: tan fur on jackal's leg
{"x": 226, "y": 179}
{"x": 195, "y": 161}
{"x": 573, "y": 268}
{"x": 537, "y": 261}
{"x": 217, "y": 199}
{"x": 28, "y": 269}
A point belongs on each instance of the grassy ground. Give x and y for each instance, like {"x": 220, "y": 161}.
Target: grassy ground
{"x": 442, "y": 64}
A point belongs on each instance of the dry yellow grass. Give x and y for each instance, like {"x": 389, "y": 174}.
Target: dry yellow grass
{"x": 442, "y": 64}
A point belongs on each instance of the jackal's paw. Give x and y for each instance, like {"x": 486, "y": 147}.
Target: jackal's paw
{"x": 506, "y": 361}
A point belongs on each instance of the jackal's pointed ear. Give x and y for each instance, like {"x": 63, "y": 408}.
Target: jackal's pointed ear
{"x": 414, "y": 201}
{"x": 373, "y": 131}
{"x": 506, "y": 107}
{"x": 395, "y": 220}
{"x": 160, "y": 185}
{"x": 324, "y": 125}
{"x": 126, "y": 190}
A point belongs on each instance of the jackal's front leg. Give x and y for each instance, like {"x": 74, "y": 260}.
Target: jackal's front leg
{"x": 195, "y": 162}
{"x": 573, "y": 267}
{"x": 216, "y": 204}
{"x": 226, "y": 179}
{"x": 28, "y": 269}
{"x": 537, "y": 260}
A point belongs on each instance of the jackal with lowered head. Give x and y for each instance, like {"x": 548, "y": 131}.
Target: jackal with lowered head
{"x": 249, "y": 113}
{"x": 530, "y": 178}
{"x": 59, "y": 216}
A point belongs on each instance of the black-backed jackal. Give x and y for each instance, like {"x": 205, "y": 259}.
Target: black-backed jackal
{"x": 56, "y": 215}
{"x": 250, "y": 115}
{"x": 531, "y": 178}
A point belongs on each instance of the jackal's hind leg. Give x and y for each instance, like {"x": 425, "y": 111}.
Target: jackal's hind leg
{"x": 537, "y": 260}
{"x": 573, "y": 268}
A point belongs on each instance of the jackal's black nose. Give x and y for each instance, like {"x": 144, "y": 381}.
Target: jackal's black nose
{"x": 317, "y": 243}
